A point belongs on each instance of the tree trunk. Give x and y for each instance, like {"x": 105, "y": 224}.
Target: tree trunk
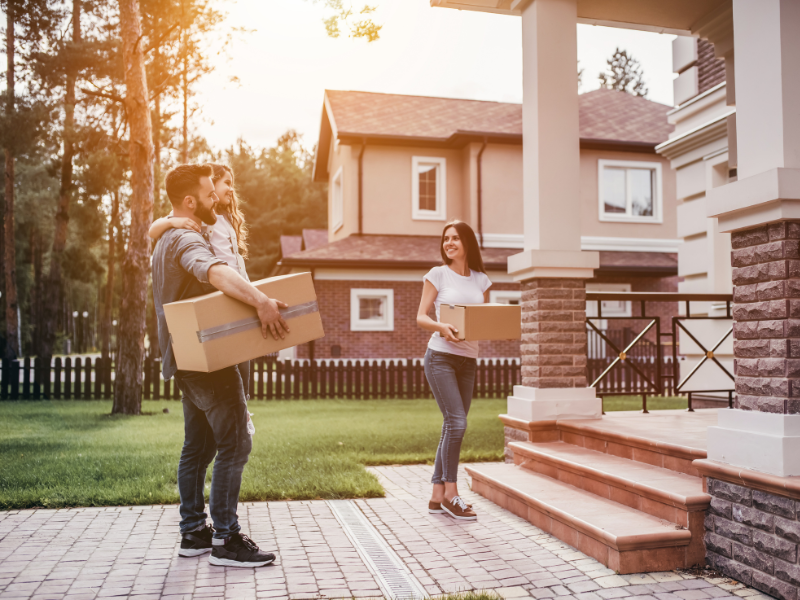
{"x": 36, "y": 291}
{"x": 136, "y": 267}
{"x": 9, "y": 255}
{"x": 54, "y": 285}
{"x": 108, "y": 312}
{"x": 185, "y": 93}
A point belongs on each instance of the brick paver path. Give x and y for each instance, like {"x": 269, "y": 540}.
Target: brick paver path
{"x": 133, "y": 551}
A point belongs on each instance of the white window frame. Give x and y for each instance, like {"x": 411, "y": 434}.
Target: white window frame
{"x": 337, "y": 201}
{"x": 657, "y": 191}
{"x": 503, "y": 296}
{"x": 357, "y": 324}
{"x": 440, "y": 214}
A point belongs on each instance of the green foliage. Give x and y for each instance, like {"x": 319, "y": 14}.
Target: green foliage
{"x": 355, "y": 23}
{"x": 75, "y": 454}
{"x": 278, "y": 197}
{"x": 614, "y": 403}
{"x": 624, "y": 73}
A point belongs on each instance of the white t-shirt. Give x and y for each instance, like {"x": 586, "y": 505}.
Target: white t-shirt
{"x": 222, "y": 237}
{"x": 456, "y": 289}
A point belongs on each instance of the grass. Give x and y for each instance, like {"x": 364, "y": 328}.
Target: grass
{"x": 73, "y": 453}
{"x": 615, "y": 403}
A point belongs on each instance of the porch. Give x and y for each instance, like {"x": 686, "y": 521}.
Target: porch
{"x": 622, "y": 489}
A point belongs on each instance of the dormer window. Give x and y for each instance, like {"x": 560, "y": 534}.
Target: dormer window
{"x": 629, "y": 191}
{"x": 428, "y": 189}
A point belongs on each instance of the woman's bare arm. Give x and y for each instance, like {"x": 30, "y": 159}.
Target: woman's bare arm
{"x": 164, "y": 224}
{"x": 447, "y": 331}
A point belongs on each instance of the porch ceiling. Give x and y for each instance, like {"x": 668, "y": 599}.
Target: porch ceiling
{"x": 666, "y": 16}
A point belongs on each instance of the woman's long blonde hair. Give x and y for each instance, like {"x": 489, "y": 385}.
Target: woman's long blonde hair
{"x": 232, "y": 211}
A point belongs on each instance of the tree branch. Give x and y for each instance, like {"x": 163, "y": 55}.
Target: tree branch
{"x": 105, "y": 95}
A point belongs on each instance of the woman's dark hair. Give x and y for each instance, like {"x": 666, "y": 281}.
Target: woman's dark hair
{"x": 474, "y": 260}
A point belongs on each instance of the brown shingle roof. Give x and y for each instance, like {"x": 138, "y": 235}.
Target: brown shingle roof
{"x": 291, "y": 244}
{"x": 314, "y": 238}
{"x": 604, "y": 114}
{"x": 416, "y": 251}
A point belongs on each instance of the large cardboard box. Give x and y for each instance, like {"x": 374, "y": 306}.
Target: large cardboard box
{"x": 483, "y": 321}
{"x": 215, "y": 331}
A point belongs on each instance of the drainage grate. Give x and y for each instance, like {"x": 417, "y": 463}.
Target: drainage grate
{"x": 395, "y": 579}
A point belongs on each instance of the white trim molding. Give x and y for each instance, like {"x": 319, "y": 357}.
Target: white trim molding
{"x": 505, "y": 296}
{"x": 655, "y": 167}
{"x": 588, "y": 242}
{"x": 440, "y": 213}
{"x": 386, "y": 295}
{"x": 337, "y": 199}
{"x": 615, "y": 244}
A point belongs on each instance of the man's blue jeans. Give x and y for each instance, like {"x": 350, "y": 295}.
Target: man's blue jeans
{"x": 215, "y": 422}
{"x": 452, "y": 380}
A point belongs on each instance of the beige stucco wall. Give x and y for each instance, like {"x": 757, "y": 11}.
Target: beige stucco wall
{"x": 591, "y": 225}
{"x": 502, "y": 189}
{"x": 387, "y": 190}
{"x": 388, "y": 181}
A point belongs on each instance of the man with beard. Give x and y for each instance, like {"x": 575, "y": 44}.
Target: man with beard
{"x": 214, "y": 405}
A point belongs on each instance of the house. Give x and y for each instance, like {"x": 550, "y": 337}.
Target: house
{"x": 399, "y": 167}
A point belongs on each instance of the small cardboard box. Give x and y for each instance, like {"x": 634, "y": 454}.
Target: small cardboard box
{"x": 483, "y": 321}
{"x": 215, "y": 331}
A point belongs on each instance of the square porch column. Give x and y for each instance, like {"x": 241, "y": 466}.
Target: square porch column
{"x": 754, "y": 451}
{"x": 552, "y": 269}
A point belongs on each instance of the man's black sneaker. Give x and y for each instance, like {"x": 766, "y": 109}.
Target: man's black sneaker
{"x": 195, "y": 543}
{"x": 239, "y": 551}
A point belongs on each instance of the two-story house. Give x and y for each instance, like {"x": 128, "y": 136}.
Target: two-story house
{"x": 399, "y": 167}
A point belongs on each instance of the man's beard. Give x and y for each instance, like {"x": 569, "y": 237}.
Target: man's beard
{"x": 206, "y": 215}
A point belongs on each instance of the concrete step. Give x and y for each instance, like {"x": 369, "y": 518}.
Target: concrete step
{"x": 662, "y": 440}
{"x": 674, "y": 497}
{"x": 623, "y": 538}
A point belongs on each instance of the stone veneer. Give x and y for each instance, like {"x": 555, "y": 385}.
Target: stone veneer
{"x": 553, "y": 344}
{"x": 766, "y": 313}
{"x": 753, "y": 536}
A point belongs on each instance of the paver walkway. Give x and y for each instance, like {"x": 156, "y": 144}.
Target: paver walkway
{"x": 132, "y": 551}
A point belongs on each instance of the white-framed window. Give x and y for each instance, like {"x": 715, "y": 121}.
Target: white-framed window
{"x": 611, "y": 308}
{"x": 428, "y": 188}
{"x": 629, "y": 191}
{"x": 371, "y": 309}
{"x": 505, "y": 296}
{"x": 337, "y": 199}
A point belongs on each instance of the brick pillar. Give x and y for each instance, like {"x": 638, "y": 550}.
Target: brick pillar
{"x": 554, "y": 333}
{"x": 766, "y": 312}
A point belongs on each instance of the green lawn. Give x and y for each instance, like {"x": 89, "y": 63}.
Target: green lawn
{"x": 73, "y": 453}
{"x": 613, "y": 403}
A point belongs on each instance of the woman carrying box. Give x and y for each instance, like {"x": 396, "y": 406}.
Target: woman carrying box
{"x": 450, "y": 363}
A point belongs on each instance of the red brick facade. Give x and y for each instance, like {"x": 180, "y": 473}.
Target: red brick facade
{"x": 408, "y": 340}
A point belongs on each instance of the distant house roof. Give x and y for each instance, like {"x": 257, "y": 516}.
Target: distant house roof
{"x": 314, "y": 238}
{"x": 416, "y": 251}
{"x": 290, "y": 244}
{"x": 608, "y": 118}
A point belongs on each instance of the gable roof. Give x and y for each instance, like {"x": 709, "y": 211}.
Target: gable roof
{"x": 606, "y": 118}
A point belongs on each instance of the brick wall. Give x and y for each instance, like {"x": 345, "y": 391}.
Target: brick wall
{"x": 753, "y": 536}
{"x": 406, "y": 341}
{"x": 710, "y": 69}
{"x": 766, "y": 312}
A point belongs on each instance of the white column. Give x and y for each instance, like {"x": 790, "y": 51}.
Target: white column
{"x": 767, "y": 67}
{"x": 551, "y": 205}
{"x": 551, "y": 146}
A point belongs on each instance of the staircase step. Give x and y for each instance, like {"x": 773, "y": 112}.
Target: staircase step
{"x": 660, "y": 492}
{"x": 623, "y": 538}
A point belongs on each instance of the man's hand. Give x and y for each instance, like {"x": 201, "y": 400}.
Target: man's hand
{"x": 271, "y": 319}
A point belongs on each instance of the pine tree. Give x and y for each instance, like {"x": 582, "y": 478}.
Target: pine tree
{"x": 624, "y": 73}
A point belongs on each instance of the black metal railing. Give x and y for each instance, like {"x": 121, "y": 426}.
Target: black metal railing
{"x": 647, "y": 362}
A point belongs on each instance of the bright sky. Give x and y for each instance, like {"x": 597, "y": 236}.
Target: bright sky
{"x": 287, "y": 62}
